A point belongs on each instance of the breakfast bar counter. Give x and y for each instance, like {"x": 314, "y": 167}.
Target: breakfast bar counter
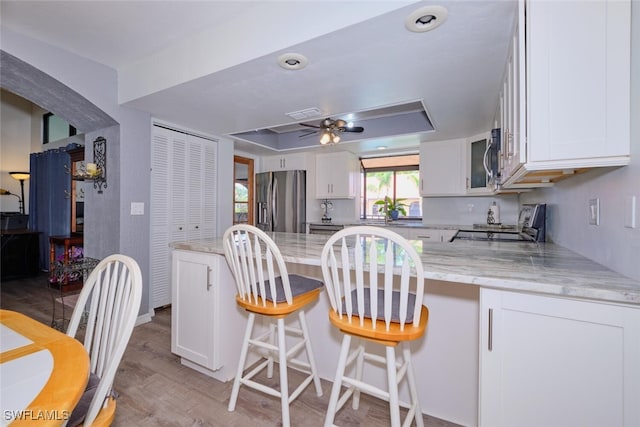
{"x": 518, "y": 331}
{"x": 528, "y": 266}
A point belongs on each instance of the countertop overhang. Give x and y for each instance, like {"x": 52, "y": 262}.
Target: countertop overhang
{"x": 529, "y": 267}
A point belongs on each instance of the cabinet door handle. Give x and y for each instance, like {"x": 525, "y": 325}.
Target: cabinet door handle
{"x": 490, "y": 335}
{"x": 208, "y": 278}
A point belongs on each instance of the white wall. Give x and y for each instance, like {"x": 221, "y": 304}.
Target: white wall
{"x": 609, "y": 243}
{"x": 15, "y": 144}
{"x": 128, "y": 160}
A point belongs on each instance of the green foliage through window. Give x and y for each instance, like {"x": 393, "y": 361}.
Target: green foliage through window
{"x": 399, "y": 183}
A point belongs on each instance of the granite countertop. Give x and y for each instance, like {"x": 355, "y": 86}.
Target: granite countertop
{"x": 404, "y": 223}
{"x": 520, "y": 266}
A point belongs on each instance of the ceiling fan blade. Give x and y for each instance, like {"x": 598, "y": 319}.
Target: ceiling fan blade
{"x": 309, "y": 126}
{"x": 313, "y": 132}
{"x": 357, "y": 129}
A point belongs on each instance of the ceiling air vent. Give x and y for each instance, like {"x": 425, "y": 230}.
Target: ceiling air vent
{"x": 307, "y": 113}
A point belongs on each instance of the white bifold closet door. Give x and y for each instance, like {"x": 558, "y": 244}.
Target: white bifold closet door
{"x": 183, "y": 199}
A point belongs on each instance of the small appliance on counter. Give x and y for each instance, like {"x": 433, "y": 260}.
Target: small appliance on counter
{"x": 531, "y": 227}
{"x": 327, "y": 206}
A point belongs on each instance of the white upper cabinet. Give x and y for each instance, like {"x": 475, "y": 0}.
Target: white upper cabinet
{"x": 577, "y": 91}
{"x": 286, "y": 162}
{"x": 336, "y": 175}
{"x": 513, "y": 102}
{"x": 443, "y": 168}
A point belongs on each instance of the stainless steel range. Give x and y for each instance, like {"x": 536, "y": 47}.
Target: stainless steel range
{"x": 324, "y": 228}
{"x": 531, "y": 227}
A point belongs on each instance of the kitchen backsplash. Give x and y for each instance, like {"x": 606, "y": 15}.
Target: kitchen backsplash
{"x": 468, "y": 210}
{"x": 436, "y": 210}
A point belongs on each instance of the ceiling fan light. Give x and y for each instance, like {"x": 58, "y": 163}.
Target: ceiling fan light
{"x": 325, "y": 138}
{"x": 335, "y": 139}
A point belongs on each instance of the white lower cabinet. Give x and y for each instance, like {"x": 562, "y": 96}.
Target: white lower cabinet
{"x": 203, "y": 309}
{"x": 548, "y": 361}
{"x": 431, "y": 234}
{"x": 400, "y": 230}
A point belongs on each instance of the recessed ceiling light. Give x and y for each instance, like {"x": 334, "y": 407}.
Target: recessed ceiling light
{"x": 381, "y": 147}
{"x": 292, "y": 61}
{"x": 426, "y": 18}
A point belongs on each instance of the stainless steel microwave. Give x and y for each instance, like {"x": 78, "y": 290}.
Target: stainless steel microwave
{"x": 490, "y": 160}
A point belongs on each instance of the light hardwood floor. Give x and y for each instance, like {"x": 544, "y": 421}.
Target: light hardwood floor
{"x": 156, "y": 390}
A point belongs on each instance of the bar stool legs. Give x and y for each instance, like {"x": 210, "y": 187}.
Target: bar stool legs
{"x": 396, "y": 373}
{"x": 277, "y": 331}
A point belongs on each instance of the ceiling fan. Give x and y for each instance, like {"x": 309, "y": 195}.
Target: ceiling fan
{"x": 330, "y": 130}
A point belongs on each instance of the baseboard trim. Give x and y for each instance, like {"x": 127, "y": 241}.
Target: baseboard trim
{"x": 144, "y": 318}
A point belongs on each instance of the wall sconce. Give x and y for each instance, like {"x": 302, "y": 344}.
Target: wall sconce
{"x": 20, "y": 176}
{"x": 98, "y": 170}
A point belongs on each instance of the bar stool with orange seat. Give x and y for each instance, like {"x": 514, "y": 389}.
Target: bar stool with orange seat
{"x": 382, "y": 308}
{"x": 266, "y": 289}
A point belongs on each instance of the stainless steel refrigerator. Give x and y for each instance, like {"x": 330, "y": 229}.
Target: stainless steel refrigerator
{"x": 281, "y": 201}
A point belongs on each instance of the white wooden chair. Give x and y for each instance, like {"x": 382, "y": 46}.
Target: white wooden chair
{"x": 266, "y": 289}
{"x": 384, "y": 308}
{"x": 109, "y": 302}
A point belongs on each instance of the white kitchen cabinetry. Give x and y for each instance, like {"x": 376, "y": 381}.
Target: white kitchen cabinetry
{"x": 513, "y": 102}
{"x": 443, "y": 168}
{"x": 400, "y": 230}
{"x": 577, "y": 91}
{"x": 296, "y": 161}
{"x": 337, "y": 175}
{"x": 431, "y": 234}
{"x": 203, "y": 301}
{"x": 547, "y": 361}
{"x": 183, "y": 199}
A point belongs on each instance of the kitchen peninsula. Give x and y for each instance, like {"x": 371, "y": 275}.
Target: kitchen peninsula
{"x": 514, "y": 329}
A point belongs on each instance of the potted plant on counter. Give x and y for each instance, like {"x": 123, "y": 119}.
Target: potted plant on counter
{"x": 393, "y": 208}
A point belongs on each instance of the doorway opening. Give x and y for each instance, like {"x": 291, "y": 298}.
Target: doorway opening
{"x": 243, "y": 190}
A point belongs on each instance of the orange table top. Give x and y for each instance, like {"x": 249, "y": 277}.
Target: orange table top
{"x": 44, "y": 372}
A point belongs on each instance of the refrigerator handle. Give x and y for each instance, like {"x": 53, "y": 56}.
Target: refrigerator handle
{"x": 274, "y": 205}
{"x": 262, "y": 212}
{"x": 259, "y": 212}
